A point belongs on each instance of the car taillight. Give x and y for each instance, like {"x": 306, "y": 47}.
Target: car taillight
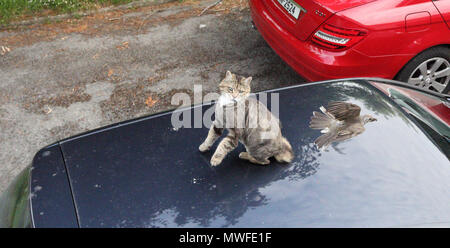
{"x": 335, "y": 38}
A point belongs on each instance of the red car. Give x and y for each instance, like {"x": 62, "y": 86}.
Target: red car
{"x": 406, "y": 40}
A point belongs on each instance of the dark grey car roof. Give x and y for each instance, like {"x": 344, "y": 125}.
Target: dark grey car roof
{"x": 144, "y": 173}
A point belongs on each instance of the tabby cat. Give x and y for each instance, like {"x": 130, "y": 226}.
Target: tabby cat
{"x": 248, "y": 121}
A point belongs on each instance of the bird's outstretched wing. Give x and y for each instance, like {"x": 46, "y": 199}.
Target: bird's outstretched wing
{"x": 350, "y": 132}
{"x": 343, "y": 110}
{"x": 326, "y": 139}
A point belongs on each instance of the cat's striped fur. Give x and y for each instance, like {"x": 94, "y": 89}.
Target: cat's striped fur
{"x": 248, "y": 121}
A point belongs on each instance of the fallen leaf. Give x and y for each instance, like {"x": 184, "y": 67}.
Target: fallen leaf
{"x": 124, "y": 45}
{"x": 150, "y": 101}
{"x": 110, "y": 72}
{"x": 4, "y": 50}
{"x": 49, "y": 110}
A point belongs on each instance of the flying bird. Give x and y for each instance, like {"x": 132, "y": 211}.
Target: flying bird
{"x": 341, "y": 121}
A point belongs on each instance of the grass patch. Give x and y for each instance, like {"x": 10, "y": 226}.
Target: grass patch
{"x": 11, "y": 10}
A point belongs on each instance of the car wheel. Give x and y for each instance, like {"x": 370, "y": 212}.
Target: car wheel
{"x": 430, "y": 69}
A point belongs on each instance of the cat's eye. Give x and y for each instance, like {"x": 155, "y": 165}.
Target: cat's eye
{"x": 230, "y": 89}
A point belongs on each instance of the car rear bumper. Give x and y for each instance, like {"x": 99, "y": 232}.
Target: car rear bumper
{"x": 314, "y": 63}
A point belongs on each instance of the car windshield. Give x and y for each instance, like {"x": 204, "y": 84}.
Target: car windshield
{"x": 431, "y": 111}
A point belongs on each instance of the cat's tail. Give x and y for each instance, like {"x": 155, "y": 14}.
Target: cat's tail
{"x": 286, "y": 155}
{"x": 321, "y": 121}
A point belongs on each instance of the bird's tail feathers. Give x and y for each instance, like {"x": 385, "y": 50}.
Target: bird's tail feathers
{"x": 321, "y": 120}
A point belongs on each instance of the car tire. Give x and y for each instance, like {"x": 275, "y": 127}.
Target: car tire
{"x": 429, "y": 69}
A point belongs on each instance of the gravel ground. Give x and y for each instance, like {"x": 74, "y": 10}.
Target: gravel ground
{"x": 60, "y": 79}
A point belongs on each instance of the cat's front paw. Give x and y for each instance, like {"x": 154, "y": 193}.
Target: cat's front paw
{"x": 203, "y": 147}
{"x": 216, "y": 160}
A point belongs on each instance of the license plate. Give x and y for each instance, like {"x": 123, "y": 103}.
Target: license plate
{"x": 292, "y": 8}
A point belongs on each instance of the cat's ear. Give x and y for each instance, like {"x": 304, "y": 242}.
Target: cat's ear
{"x": 228, "y": 75}
{"x": 246, "y": 81}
